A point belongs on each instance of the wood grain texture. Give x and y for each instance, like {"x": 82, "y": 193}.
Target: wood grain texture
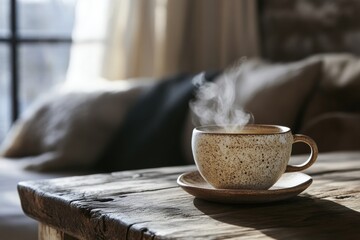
{"x": 48, "y": 233}
{"x": 148, "y": 204}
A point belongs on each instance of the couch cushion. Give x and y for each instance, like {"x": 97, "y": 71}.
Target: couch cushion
{"x": 333, "y": 131}
{"x": 339, "y": 86}
{"x": 273, "y": 93}
{"x": 280, "y": 91}
{"x": 70, "y": 127}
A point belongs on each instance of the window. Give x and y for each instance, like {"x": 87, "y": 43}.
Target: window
{"x": 35, "y": 41}
{"x": 4, "y": 90}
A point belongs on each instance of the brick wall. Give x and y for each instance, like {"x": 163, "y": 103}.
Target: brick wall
{"x": 294, "y": 29}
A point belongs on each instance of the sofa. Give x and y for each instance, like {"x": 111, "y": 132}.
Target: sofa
{"x": 110, "y": 126}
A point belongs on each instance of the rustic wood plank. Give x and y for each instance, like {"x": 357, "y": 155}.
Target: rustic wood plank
{"x": 148, "y": 204}
{"x": 59, "y": 202}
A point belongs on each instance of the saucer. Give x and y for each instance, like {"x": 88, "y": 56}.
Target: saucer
{"x": 289, "y": 185}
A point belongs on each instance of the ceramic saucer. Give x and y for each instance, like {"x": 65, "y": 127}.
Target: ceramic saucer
{"x": 289, "y": 185}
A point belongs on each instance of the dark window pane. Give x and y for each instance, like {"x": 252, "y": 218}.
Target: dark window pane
{"x": 53, "y": 18}
{"x": 42, "y": 66}
{"x": 4, "y": 17}
{"x": 4, "y": 91}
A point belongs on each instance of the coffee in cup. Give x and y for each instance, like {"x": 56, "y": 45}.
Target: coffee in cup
{"x": 251, "y": 157}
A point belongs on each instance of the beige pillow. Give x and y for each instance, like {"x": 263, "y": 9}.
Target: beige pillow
{"x": 276, "y": 93}
{"x": 339, "y": 86}
{"x": 70, "y": 127}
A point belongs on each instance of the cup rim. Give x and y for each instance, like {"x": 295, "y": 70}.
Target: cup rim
{"x": 247, "y": 129}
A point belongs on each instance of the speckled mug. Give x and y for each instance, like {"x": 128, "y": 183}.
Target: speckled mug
{"x": 253, "y": 157}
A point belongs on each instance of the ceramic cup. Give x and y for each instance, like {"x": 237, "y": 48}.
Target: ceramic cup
{"x": 252, "y": 157}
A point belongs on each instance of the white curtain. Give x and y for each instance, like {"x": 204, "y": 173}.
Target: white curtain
{"x": 120, "y": 39}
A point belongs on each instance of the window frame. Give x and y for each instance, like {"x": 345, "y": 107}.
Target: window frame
{"x": 14, "y": 41}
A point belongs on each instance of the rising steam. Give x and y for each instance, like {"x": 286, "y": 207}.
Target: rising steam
{"x": 216, "y": 103}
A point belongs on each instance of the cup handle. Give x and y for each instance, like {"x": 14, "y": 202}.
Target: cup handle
{"x": 313, "y": 155}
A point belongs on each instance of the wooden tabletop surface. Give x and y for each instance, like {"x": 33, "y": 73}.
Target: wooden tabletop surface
{"x": 148, "y": 204}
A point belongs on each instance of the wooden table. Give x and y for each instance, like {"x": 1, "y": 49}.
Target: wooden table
{"x": 148, "y": 204}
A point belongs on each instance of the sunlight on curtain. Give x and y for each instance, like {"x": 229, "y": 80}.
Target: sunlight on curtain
{"x": 89, "y": 38}
{"x": 120, "y": 39}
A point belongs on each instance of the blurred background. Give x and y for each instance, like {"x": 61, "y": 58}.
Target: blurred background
{"x": 46, "y": 42}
